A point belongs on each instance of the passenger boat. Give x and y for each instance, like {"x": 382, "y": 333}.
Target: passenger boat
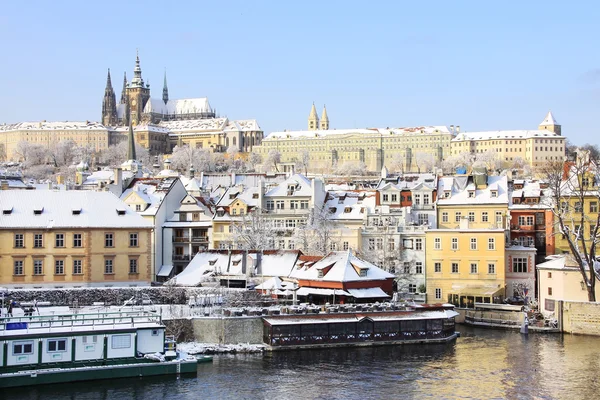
{"x": 78, "y": 347}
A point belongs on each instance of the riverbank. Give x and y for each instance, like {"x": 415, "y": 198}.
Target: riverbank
{"x": 194, "y": 348}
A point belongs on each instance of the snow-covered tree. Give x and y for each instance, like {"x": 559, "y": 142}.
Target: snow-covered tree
{"x": 424, "y": 162}
{"x": 116, "y": 154}
{"x": 351, "y": 168}
{"x": 253, "y": 161}
{"x": 573, "y": 187}
{"x": 397, "y": 163}
{"x": 488, "y": 159}
{"x": 254, "y": 231}
{"x": 272, "y": 161}
{"x": 302, "y": 161}
{"x": 316, "y": 235}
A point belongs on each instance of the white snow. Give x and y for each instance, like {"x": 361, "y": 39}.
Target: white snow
{"x": 213, "y": 348}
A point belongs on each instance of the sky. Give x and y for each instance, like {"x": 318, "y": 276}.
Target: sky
{"x": 479, "y": 64}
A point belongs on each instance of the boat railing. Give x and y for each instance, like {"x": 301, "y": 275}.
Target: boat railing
{"x": 90, "y": 320}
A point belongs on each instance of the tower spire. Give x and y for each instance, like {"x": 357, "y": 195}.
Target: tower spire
{"x": 313, "y": 119}
{"x": 109, "y": 104}
{"x": 324, "y": 119}
{"x": 137, "y": 80}
{"x": 165, "y": 96}
{"x": 108, "y": 81}
{"x": 131, "y": 143}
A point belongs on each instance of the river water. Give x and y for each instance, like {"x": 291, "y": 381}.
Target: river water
{"x": 481, "y": 364}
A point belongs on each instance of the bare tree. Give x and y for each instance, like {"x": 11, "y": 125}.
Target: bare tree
{"x": 424, "y": 162}
{"x": 254, "y": 231}
{"x": 316, "y": 235}
{"x": 573, "y": 186}
{"x": 303, "y": 160}
{"x": 397, "y": 163}
{"x": 253, "y": 160}
{"x": 273, "y": 158}
{"x": 350, "y": 168}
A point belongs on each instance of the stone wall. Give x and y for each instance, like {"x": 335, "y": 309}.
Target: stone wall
{"x": 228, "y": 330}
{"x": 580, "y": 317}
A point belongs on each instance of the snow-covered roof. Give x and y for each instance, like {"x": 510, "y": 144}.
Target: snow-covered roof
{"x": 195, "y": 125}
{"x": 178, "y": 106}
{"x": 549, "y": 120}
{"x": 459, "y": 187}
{"x": 151, "y": 191}
{"x": 302, "y": 187}
{"x": 419, "y": 130}
{"x": 356, "y": 317}
{"x": 559, "y": 262}
{"x": 105, "y": 176}
{"x": 278, "y": 263}
{"x": 516, "y": 134}
{"x": 410, "y": 182}
{"x": 350, "y": 205}
{"x": 54, "y": 125}
{"x": 242, "y": 125}
{"x": 341, "y": 266}
{"x": 202, "y": 268}
{"x": 67, "y": 209}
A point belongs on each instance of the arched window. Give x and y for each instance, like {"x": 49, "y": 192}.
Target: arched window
{"x": 234, "y": 141}
{"x": 227, "y": 142}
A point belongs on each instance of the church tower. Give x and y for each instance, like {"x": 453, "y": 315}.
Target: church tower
{"x": 165, "y": 90}
{"x": 138, "y": 94}
{"x": 550, "y": 124}
{"x": 324, "y": 120}
{"x": 109, "y": 104}
{"x": 313, "y": 119}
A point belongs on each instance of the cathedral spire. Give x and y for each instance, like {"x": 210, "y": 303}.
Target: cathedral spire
{"x": 131, "y": 143}
{"x": 123, "y": 91}
{"x": 108, "y": 81}
{"x": 313, "y": 119}
{"x": 165, "y": 89}
{"x": 109, "y": 105}
{"x": 324, "y": 120}
{"x": 137, "y": 80}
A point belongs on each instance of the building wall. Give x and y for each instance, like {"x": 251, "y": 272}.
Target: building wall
{"x": 92, "y": 254}
{"x": 478, "y": 220}
{"x": 228, "y": 330}
{"x": 581, "y": 317}
{"x": 464, "y": 256}
{"x": 590, "y": 209}
{"x": 561, "y": 284}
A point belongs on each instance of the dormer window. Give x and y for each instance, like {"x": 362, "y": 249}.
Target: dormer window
{"x": 348, "y": 210}
{"x": 320, "y": 273}
{"x": 76, "y": 211}
{"x": 231, "y": 196}
{"x": 7, "y": 210}
{"x": 471, "y": 194}
{"x": 332, "y": 210}
{"x": 212, "y": 262}
{"x": 255, "y": 195}
{"x": 38, "y": 211}
{"x": 447, "y": 194}
{"x": 494, "y": 193}
{"x": 236, "y": 262}
{"x": 363, "y": 272}
{"x": 121, "y": 211}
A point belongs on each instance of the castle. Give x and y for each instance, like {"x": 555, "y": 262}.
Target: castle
{"x": 136, "y": 105}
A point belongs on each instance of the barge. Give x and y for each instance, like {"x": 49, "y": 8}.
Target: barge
{"x": 414, "y": 325}
{"x": 78, "y": 347}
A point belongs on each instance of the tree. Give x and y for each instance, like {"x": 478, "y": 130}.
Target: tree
{"x": 350, "y": 168}
{"x": 273, "y": 158}
{"x": 63, "y": 153}
{"x": 303, "y": 160}
{"x": 253, "y": 161}
{"x": 116, "y": 154}
{"x": 572, "y": 186}
{"x": 424, "y": 162}
{"x": 488, "y": 159}
{"x": 397, "y": 163}
{"x": 254, "y": 231}
{"x": 316, "y": 235}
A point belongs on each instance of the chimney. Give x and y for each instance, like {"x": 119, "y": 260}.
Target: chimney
{"x": 457, "y": 128}
{"x": 451, "y": 128}
{"x": 118, "y": 177}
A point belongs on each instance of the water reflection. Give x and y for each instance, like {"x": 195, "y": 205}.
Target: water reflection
{"x": 482, "y": 364}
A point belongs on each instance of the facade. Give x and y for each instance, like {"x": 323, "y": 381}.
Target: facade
{"x": 559, "y": 278}
{"x": 465, "y": 266}
{"x": 479, "y": 198}
{"x": 520, "y": 272}
{"x": 72, "y": 239}
{"x": 534, "y": 147}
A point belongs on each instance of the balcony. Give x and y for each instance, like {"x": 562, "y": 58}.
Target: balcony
{"x": 182, "y": 257}
{"x": 422, "y": 206}
{"x": 287, "y": 211}
{"x": 416, "y": 228}
{"x": 527, "y": 228}
{"x": 190, "y": 239}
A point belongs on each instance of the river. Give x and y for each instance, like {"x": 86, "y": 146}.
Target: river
{"x": 481, "y": 364}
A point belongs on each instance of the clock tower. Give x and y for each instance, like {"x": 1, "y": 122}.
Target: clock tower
{"x": 138, "y": 94}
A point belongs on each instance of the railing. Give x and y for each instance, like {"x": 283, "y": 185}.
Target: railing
{"x": 182, "y": 257}
{"x": 422, "y": 206}
{"x": 294, "y": 211}
{"x": 188, "y": 239}
{"x": 417, "y": 228}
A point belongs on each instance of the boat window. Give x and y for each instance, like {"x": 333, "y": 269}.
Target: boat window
{"x": 57, "y": 345}
{"x": 23, "y": 347}
{"x": 121, "y": 342}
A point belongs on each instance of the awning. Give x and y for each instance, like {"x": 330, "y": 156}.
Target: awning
{"x": 165, "y": 270}
{"x": 368, "y": 293}
{"x": 305, "y": 291}
{"x": 475, "y": 290}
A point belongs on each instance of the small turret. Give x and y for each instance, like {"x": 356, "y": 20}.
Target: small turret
{"x": 550, "y": 124}
{"x": 324, "y": 120}
{"x": 165, "y": 96}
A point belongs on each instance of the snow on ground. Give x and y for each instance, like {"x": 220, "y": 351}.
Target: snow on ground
{"x": 213, "y": 348}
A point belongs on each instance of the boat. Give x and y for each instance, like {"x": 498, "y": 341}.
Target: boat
{"x": 79, "y": 347}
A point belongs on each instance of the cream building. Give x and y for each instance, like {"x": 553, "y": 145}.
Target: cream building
{"x": 534, "y": 147}
{"x": 72, "y": 239}
{"x": 91, "y": 135}
{"x": 375, "y": 147}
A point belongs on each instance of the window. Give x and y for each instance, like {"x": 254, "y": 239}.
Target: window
{"x": 304, "y": 204}
{"x": 494, "y": 193}
{"x": 38, "y": 267}
{"x": 526, "y": 220}
{"x": 471, "y": 216}
{"x": 585, "y": 181}
{"x": 59, "y": 267}
{"x": 471, "y": 193}
{"x": 59, "y": 240}
{"x": 19, "y": 240}
{"x": 280, "y": 204}
{"x": 520, "y": 264}
{"x": 437, "y": 243}
{"x": 77, "y": 240}
{"x": 386, "y": 197}
{"x": 38, "y": 240}
{"x": 270, "y": 205}
{"x": 346, "y": 246}
{"x": 120, "y": 342}
{"x": 484, "y": 216}
{"x": 425, "y": 199}
{"x": 423, "y": 219}
{"x": 455, "y": 268}
{"x": 394, "y": 198}
{"x": 294, "y": 205}
{"x": 234, "y": 211}
{"x": 108, "y": 240}
{"x": 593, "y": 207}
{"x": 56, "y": 345}
{"x": 18, "y": 267}
{"x": 406, "y": 267}
{"x": 473, "y": 268}
{"x": 473, "y": 243}
{"x": 550, "y": 275}
{"x": 133, "y": 239}
{"x": 454, "y": 244}
{"x": 491, "y": 244}
{"x": 133, "y": 266}
{"x": 77, "y": 267}
{"x": 379, "y": 244}
{"x": 444, "y": 217}
{"x": 438, "y": 293}
{"x": 437, "y": 267}
{"x": 21, "y": 348}
{"x": 549, "y": 291}
{"x": 182, "y": 217}
{"x": 418, "y": 244}
{"x": 108, "y": 266}
{"x": 491, "y": 268}
{"x": 412, "y": 288}
{"x": 457, "y": 216}
{"x": 418, "y": 267}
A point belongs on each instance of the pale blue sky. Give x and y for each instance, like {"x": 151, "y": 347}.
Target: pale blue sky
{"x": 482, "y": 65}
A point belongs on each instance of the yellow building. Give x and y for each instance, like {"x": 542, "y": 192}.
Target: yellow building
{"x": 91, "y": 135}
{"x": 464, "y": 266}
{"x": 559, "y": 278}
{"x": 534, "y": 147}
{"x": 72, "y": 239}
{"x": 479, "y": 199}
